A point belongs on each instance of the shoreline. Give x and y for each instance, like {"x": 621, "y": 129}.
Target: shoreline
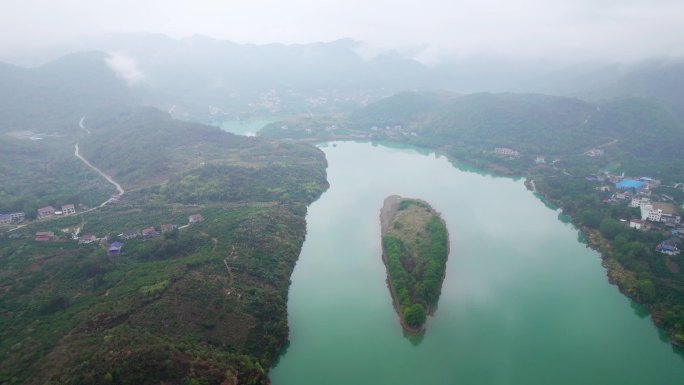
{"x": 614, "y": 271}
{"x": 618, "y": 275}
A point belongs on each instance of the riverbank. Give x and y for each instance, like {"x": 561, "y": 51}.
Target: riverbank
{"x": 617, "y": 274}
{"x": 625, "y": 280}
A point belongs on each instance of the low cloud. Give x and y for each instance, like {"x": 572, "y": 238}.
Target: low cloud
{"x": 125, "y": 67}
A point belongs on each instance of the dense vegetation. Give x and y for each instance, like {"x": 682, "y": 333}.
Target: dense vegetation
{"x": 35, "y": 174}
{"x": 203, "y": 304}
{"x": 56, "y": 95}
{"x": 415, "y": 249}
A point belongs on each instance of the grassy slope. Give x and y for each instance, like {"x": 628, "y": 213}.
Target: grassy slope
{"x": 167, "y": 309}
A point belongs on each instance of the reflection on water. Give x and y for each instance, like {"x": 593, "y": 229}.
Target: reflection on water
{"x": 415, "y": 338}
{"x": 523, "y": 302}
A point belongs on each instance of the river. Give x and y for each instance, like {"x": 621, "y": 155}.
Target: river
{"x": 244, "y": 127}
{"x": 523, "y": 301}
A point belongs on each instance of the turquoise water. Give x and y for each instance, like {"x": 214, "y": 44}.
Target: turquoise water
{"x": 523, "y": 301}
{"x": 244, "y": 127}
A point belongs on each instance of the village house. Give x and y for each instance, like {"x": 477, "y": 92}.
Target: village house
{"x": 115, "y": 248}
{"x": 660, "y": 212}
{"x": 621, "y": 197}
{"x": 130, "y": 234}
{"x": 669, "y": 246}
{"x": 68, "y": 209}
{"x": 639, "y": 201}
{"x": 18, "y": 217}
{"x": 639, "y": 224}
{"x": 506, "y": 151}
{"x": 650, "y": 182}
{"x": 167, "y": 227}
{"x": 5, "y": 219}
{"x": 539, "y": 160}
{"x": 594, "y": 152}
{"x": 87, "y": 238}
{"x": 195, "y": 218}
{"x": 104, "y": 240}
{"x": 46, "y": 212}
{"x": 149, "y": 232}
{"x": 43, "y": 236}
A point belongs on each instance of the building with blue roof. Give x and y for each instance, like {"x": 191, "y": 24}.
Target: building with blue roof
{"x": 630, "y": 183}
{"x": 115, "y": 248}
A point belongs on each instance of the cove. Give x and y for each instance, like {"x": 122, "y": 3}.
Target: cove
{"x": 523, "y": 301}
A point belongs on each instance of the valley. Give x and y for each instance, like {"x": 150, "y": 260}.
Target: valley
{"x": 186, "y": 254}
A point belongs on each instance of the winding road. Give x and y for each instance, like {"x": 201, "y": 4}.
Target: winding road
{"x": 109, "y": 179}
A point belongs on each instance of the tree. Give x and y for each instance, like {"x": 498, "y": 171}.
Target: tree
{"x": 646, "y": 290}
{"x": 610, "y": 228}
{"x": 414, "y": 315}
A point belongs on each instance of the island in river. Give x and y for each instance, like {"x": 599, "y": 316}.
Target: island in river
{"x": 415, "y": 246}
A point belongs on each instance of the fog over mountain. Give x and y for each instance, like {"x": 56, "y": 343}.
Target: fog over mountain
{"x": 217, "y": 51}
{"x": 198, "y": 71}
{"x": 431, "y": 31}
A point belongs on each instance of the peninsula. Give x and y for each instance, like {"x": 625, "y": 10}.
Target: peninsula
{"x": 415, "y": 246}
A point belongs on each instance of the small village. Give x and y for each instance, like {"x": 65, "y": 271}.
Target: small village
{"x": 47, "y": 212}
{"x": 656, "y": 211}
{"x": 113, "y": 247}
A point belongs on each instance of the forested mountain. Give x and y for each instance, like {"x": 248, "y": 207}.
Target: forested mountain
{"x": 200, "y": 304}
{"x": 658, "y": 79}
{"x": 204, "y": 303}
{"x": 533, "y": 124}
{"x": 199, "y": 73}
{"x": 58, "y": 93}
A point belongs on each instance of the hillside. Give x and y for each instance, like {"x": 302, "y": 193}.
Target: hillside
{"x": 52, "y": 97}
{"x": 470, "y": 127}
{"x": 204, "y": 303}
{"x": 37, "y": 173}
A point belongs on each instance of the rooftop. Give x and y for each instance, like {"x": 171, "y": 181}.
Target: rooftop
{"x": 665, "y": 207}
{"x": 630, "y": 183}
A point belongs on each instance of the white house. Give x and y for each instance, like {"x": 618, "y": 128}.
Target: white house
{"x": 637, "y": 224}
{"x": 660, "y": 212}
{"x": 639, "y": 202}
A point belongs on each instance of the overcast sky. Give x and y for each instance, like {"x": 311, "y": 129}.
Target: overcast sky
{"x": 428, "y": 29}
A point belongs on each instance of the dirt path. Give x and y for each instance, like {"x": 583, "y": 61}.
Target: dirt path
{"x": 612, "y": 142}
{"x": 231, "y": 277}
{"x": 109, "y": 179}
{"x": 80, "y": 124}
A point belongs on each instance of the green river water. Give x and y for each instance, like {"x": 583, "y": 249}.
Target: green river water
{"x": 244, "y": 127}
{"x": 523, "y": 301}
